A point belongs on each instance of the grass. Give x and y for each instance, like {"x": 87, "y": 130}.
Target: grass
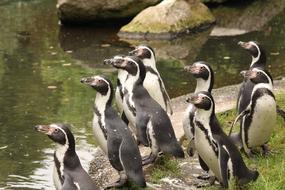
{"x": 165, "y": 166}
{"x": 272, "y": 167}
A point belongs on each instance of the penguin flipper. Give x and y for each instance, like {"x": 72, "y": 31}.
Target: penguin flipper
{"x": 113, "y": 144}
{"x": 132, "y": 162}
{"x": 203, "y": 165}
{"x": 166, "y": 98}
{"x": 141, "y": 126}
{"x": 243, "y": 113}
{"x": 223, "y": 162}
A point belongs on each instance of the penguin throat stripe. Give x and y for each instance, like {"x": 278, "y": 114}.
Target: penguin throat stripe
{"x": 210, "y": 141}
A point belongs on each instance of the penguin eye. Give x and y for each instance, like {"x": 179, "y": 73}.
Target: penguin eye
{"x": 56, "y": 130}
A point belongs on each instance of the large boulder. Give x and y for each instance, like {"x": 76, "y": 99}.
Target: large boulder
{"x": 86, "y": 11}
{"x": 168, "y": 19}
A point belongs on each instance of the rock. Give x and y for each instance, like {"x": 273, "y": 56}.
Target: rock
{"x": 216, "y": 1}
{"x": 251, "y": 16}
{"x": 86, "y": 11}
{"x": 168, "y": 19}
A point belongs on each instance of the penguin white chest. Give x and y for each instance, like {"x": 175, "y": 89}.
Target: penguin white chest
{"x": 206, "y": 152}
{"x": 263, "y": 121}
{"x": 152, "y": 85}
{"x": 129, "y": 109}
{"x": 119, "y": 100}
{"x": 187, "y": 123}
{"x": 98, "y": 132}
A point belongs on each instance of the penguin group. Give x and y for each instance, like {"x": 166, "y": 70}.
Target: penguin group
{"x": 142, "y": 118}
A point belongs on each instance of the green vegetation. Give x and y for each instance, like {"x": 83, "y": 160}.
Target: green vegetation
{"x": 272, "y": 167}
{"x": 165, "y": 166}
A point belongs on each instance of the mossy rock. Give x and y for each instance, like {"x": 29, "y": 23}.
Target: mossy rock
{"x": 167, "y": 19}
{"x": 92, "y": 11}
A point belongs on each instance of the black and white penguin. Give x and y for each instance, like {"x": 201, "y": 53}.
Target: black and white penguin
{"x": 204, "y": 75}
{"x": 122, "y": 76}
{"x": 153, "y": 82}
{"x": 153, "y": 125}
{"x": 215, "y": 147}
{"x": 259, "y": 118}
{"x": 258, "y": 60}
{"x": 68, "y": 172}
{"x": 122, "y": 150}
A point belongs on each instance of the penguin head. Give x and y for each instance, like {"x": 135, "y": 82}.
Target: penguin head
{"x": 143, "y": 52}
{"x": 133, "y": 65}
{"x": 202, "y": 100}
{"x": 252, "y": 47}
{"x": 59, "y": 133}
{"x": 258, "y": 75}
{"x": 102, "y": 85}
{"x": 256, "y": 51}
{"x": 203, "y": 72}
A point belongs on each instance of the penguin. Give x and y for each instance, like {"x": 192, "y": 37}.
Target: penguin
{"x": 122, "y": 76}
{"x": 153, "y": 82}
{"x": 154, "y": 128}
{"x": 258, "y": 60}
{"x": 122, "y": 150}
{"x": 68, "y": 172}
{"x": 204, "y": 75}
{"x": 258, "y": 56}
{"x": 215, "y": 147}
{"x": 259, "y": 118}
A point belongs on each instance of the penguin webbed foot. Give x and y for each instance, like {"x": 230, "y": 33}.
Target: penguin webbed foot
{"x": 210, "y": 182}
{"x": 265, "y": 150}
{"x": 204, "y": 176}
{"x": 190, "y": 149}
{"x": 149, "y": 159}
{"x": 119, "y": 183}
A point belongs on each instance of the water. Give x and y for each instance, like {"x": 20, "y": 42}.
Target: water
{"x": 40, "y": 69}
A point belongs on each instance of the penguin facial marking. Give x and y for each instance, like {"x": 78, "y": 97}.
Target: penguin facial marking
{"x": 200, "y": 70}
{"x": 201, "y": 101}
{"x": 254, "y": 50}
{"x": 204, "y": 75}
{"x": 257, "y": 75}
{"x": 99, "y": 83}
{"x": 143, "y": 52}
{"x": 54, "y": 132}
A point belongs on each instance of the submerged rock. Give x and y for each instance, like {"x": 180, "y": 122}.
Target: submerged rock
{"x": 86, "y": 11}
{"x": 168, "y": 19}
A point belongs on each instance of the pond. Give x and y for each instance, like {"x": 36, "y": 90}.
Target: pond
{"x": 41, "y": 64}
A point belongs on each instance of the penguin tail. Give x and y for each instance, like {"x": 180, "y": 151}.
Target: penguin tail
{"x": 252, "y": 176}
{"x": 138, "y": 180}
{"x": 255, "y": 175}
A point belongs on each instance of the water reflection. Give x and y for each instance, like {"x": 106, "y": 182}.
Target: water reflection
{"x": 36, "y": 54}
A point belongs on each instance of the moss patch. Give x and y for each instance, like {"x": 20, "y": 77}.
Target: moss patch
{"x": 170, "y": 17}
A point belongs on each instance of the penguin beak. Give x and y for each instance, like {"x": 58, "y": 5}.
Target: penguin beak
{"x": 250, "y": 74}
{"x": 119, "y": 63}
{"x": 92, "y": 81}
{"x": 190, "y": 68}
{"x": 242, "y": 73}
{"x": 107, "y": 61}
{"x": 43, "y": 129}
{"x": 134, "y": 52}
{"x": 194, "y": 99}
{"x": 244, "y": 45}
{"x": 87, "y": 80}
